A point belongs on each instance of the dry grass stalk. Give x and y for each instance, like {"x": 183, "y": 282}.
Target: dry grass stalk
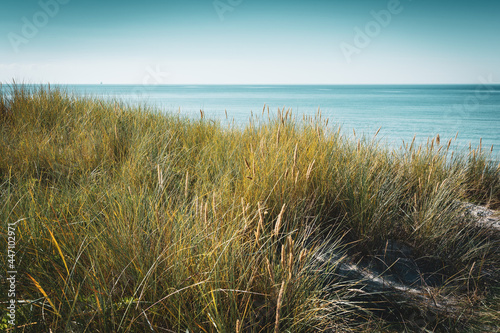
{"x": 278, "y": 307}
{"x": 278, "y": 221}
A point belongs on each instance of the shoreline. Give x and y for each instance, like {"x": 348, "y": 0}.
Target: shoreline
{"x": 399, "y": 113}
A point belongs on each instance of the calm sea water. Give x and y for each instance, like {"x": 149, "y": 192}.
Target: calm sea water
{"x": 401, "y": 111}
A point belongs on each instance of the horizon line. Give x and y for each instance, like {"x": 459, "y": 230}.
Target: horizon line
{"x": 251, "y": 84}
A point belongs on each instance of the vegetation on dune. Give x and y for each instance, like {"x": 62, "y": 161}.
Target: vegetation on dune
{"x": 131, "y": 220}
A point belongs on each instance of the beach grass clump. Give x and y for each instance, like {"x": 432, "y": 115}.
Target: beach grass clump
{"x": 130, "y": 219}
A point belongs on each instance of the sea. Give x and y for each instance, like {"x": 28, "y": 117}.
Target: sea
{"x": 468, "y": 114}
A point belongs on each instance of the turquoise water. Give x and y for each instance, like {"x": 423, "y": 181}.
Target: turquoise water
{"x": 401, "y": 111}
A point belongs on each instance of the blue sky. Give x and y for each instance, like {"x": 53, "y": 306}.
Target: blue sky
{"x": 249, "y": 41}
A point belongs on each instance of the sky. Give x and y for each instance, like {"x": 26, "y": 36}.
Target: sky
{"x": 249, "y": 41}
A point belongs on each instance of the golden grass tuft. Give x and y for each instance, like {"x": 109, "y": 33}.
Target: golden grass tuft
{"x": 134, "y": 220}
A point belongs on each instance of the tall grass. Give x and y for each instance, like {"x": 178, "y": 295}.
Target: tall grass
{"x": 133, "y": 220}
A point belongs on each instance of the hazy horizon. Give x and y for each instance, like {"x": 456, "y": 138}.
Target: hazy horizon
{"x": 250, "y": 42}
{"x": 474, "y": 84}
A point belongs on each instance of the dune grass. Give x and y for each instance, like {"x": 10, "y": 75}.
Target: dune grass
{"x": 132, "y": 220}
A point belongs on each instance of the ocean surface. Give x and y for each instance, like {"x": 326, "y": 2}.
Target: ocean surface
{"x": 401, "y": 111}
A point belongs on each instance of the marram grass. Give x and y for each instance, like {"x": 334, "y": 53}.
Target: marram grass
{"x": 131, "y": 220}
